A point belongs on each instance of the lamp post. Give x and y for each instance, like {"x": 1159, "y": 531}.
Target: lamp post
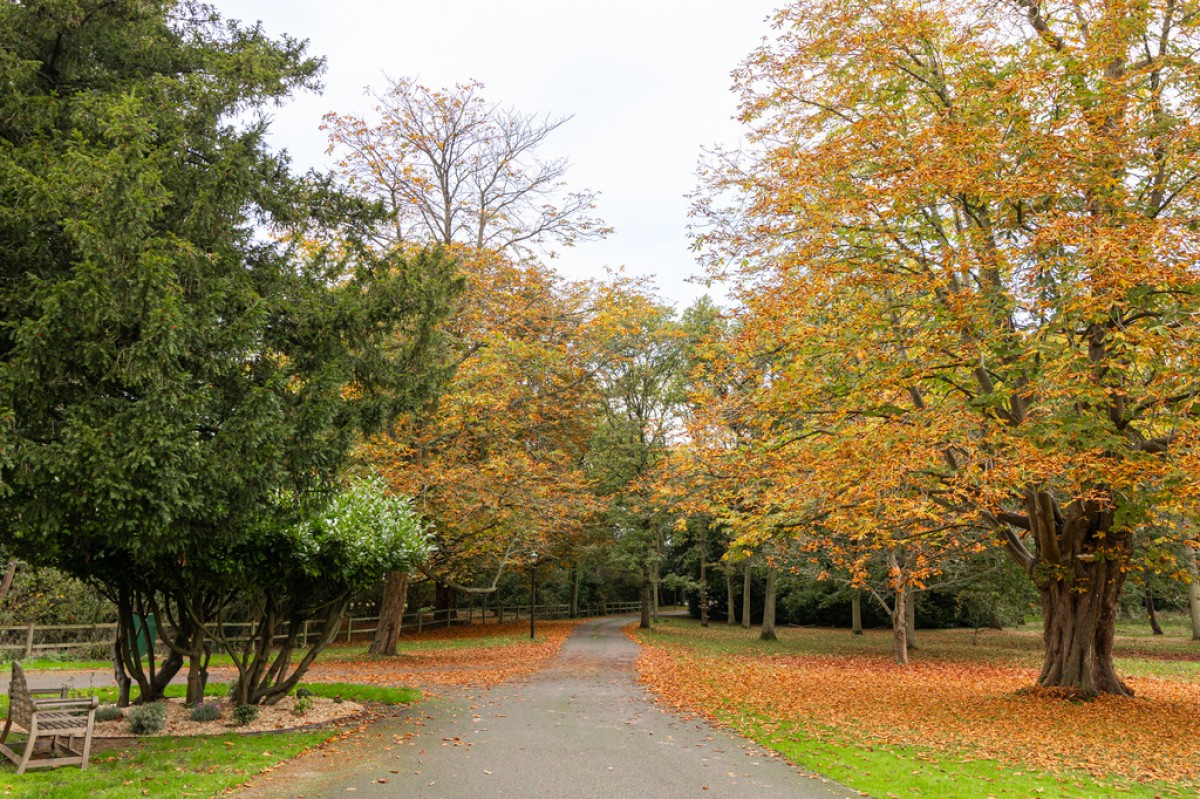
{"x": 532, "y": 592}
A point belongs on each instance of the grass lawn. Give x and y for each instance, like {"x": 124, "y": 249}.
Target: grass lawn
{"x": 200, "y": 766}
{"x": 203, "y": 766}
{"x": 953, "y": 724}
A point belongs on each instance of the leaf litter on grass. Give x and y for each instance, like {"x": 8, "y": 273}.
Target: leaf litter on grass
{"x": 966, "y": 709}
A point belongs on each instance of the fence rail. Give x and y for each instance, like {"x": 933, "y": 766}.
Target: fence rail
{"x": 30, "y": 639}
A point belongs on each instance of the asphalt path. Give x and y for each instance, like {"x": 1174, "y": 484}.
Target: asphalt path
{"x": 582, "y": 728}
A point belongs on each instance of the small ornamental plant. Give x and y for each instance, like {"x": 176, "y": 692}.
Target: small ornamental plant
{"x": 108, "y": 713}
{"x": 147, "y": 719}
{"x": 206, "y": 711}
{"x": 302, "y": 705}
{"x": 245, "y": 714}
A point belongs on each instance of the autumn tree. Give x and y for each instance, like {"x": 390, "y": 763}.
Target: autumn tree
{"x": 495, "y": 462}
{"x": 965, "y": 236}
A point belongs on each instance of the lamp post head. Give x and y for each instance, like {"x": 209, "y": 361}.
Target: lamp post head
{"x": 533, "y": 558}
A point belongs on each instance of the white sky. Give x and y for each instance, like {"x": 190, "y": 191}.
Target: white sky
{"x": 648, "y": 84}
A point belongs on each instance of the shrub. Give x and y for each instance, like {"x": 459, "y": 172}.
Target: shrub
{"x": 147, "y": 719}
{"x": 303, "y": 692}
{"x": 303, "y": 705}
{"x": 244, "y": 714}
{"x": 108, "y": 713}
{"x": 206, "y": 711}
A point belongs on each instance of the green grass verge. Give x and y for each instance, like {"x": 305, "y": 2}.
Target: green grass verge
{"x": 365, "y": 693}
{"x": 893, "y": 771}
{"x": 163, "y": 767}
{"x": 200, "y": 766}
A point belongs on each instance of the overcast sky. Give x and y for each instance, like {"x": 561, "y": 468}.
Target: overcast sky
{"x": 647, "y": 82}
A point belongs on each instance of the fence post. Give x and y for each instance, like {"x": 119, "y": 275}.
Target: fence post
{"x": 349, "y": 628}
{"x": 306, "y": 633}
{"x": 29, "y": 641}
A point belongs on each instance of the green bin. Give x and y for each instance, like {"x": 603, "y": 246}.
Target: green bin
{"x": 146, "y": 633}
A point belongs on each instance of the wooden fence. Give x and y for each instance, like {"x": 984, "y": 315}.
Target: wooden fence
{"x": 26, "y": 641}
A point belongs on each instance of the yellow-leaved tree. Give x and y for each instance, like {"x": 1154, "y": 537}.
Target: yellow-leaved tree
{"x": 963, "y": 240}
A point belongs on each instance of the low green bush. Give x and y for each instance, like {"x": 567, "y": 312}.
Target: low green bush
{"x": 244, "y": 714}
{"x": 303, "y": 705}
{"x": 147, "y": 719}
{"x": 108, "y": 713}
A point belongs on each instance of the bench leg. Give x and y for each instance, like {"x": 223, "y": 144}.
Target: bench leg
{"x": 87, "y": 743}
{"x": 28, "y": 748}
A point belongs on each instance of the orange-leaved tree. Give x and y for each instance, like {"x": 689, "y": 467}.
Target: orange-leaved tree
{"x": 495, "y": 461}
{"x": 964, "y": 238}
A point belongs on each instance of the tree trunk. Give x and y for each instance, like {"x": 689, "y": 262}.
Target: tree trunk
{"x": 900, "y": 627}
{"x": 746, "y": 596}
{"x": 575, "y": 593}
{"x": 120, "y": 676}
{"x": 1078, "y": 629}
{"x": 703, "y": 590}
{"x": 856, "y": 613}
{"x": 1148, "y": 599}
{"x": 391, "y": 615}
{"x": 654, "y": 583}
{"x": 1079, "y": 564}
{"x": 645, "y": 597}
{"x": 910, "y": 620}
{"x": 768, "y": 622}
{"x": 1194, "y": 596}
{"x": 730, "y": 597}
{"x": 6, "y": 583}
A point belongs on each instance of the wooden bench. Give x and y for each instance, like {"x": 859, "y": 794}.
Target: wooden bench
{"x": 53, "y": 718}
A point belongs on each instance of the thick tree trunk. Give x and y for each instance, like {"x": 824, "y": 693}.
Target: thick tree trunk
{"x": 1152, "y": 613}
{"x": 768, "y": 622}
{"x": 645, "y": 598}
{"x": 391, "y": 615}
{"x": 1079, "y": 562}
{"x": 856, "y": 613}
{"x": 746, "y": 596}
{"x": 900, "y": 627}
{"x": 703, "y": 590}
{"x": 1078, "y": 629}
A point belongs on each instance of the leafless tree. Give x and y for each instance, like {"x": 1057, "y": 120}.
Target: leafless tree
{"x": 455, "y": 168}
